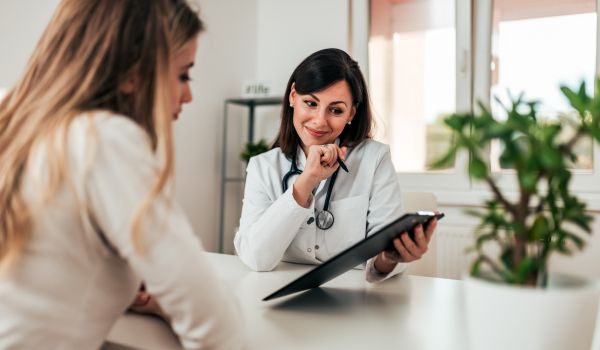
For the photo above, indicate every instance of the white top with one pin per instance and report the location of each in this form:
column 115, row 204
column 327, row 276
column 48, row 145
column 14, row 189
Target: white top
column 79, row 271
column 274, row 227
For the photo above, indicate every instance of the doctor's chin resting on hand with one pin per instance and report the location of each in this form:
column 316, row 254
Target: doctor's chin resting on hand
column 326, row 184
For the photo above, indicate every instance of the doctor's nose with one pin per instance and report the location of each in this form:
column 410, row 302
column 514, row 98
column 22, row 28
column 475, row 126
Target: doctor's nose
column 320, row 116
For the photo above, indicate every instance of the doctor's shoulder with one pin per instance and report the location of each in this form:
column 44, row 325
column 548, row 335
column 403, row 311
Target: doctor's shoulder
column 271, row 161
column 270, row 157
column 370, row 150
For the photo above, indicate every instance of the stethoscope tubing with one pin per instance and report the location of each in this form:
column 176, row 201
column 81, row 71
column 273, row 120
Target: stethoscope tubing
column 324, row 218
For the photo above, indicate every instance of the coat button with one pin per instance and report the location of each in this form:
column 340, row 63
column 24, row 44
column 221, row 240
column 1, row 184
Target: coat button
column 310, row 220
column 317, row 246
column 309, row 250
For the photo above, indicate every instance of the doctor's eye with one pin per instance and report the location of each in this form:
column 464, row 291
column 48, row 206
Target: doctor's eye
column 310, row 103
column 336, row 110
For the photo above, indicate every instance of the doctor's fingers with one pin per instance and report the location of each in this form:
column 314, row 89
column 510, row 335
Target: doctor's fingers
column 314, row 157
column 318, row 156
column 430, row 229
column 329, row 154
column 416, row 250
column 420, row 238
column 405, row 255
column 342, row 151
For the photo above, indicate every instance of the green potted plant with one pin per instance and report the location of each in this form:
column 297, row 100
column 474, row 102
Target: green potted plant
column 252, row 149
column 510, row 297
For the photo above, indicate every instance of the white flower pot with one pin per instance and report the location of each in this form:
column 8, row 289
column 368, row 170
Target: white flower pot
column 502, row 317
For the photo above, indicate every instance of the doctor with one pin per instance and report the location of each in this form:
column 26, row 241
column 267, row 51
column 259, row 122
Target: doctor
column 299, row 204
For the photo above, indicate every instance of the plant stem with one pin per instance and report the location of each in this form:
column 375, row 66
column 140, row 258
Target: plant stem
column 509, row 206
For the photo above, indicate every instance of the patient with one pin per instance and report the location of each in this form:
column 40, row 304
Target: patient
column 298, row 205
column 86, row 164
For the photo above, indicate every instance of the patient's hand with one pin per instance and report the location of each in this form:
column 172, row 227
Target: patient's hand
column 145, row 303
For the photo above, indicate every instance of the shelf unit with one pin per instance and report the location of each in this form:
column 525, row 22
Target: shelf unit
column 251, row 104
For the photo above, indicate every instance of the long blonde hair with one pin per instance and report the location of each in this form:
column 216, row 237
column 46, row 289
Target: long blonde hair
column 85, row 54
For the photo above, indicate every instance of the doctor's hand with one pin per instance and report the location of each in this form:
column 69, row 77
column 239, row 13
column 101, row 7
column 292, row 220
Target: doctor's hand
column 405, row 248
column 321, row 163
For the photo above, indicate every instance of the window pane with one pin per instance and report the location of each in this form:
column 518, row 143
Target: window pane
column 412, row 73
column 536, row 49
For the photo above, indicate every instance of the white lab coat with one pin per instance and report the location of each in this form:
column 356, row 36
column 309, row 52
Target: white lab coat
column 274, row 227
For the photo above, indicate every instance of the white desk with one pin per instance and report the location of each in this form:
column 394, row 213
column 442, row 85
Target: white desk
column 410, row 312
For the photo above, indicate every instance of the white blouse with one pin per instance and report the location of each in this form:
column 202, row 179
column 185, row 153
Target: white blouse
column 79, row 271
column 274, row 227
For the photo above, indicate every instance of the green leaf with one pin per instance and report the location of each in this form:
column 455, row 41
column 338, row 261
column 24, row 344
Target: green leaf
column 551, row 158
column 540, row 229
column 580, row 243
column 457, row 122
column 476, row 266
column 574, row 99
column 528, row 180
column 253, row 149
column 481, row 239
column 527, row 270
column 447, row 160
column 478, row 169
column 506, row 258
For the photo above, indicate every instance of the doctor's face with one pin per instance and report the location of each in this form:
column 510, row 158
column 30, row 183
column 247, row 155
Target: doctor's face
column 320, row 117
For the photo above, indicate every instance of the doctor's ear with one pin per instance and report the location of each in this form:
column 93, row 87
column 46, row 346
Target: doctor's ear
column 292, row 97
column 352, row 114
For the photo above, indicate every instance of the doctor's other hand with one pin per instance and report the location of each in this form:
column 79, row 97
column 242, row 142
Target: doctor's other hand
column 406, row 249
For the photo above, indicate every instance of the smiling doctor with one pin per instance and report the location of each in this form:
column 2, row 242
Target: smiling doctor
column 299, row 205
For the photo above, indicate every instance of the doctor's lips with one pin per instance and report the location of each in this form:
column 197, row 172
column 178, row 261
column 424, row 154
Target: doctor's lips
column 315, row 133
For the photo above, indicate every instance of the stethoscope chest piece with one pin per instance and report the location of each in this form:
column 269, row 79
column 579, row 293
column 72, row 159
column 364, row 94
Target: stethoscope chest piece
column 324, row 219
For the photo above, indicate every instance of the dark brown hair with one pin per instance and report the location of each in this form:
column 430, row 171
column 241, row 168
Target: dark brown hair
column 317, row 72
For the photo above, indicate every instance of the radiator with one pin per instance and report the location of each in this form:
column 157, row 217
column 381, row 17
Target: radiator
column 451, row 259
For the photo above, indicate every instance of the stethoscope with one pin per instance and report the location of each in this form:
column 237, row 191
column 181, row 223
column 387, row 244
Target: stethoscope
column 324, row 218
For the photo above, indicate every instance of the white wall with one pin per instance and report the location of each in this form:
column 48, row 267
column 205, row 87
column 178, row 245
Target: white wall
column 226, row 57
column 290, row 30
column 21, row 24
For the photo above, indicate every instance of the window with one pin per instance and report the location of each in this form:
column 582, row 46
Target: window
column 535, row 49
column 418, row 74
column 428, row 58
column 412, row 76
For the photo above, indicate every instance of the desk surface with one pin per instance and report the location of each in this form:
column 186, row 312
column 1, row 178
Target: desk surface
column 409, row 312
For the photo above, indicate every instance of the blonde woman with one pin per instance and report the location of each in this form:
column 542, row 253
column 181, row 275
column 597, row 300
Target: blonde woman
column 86, row 160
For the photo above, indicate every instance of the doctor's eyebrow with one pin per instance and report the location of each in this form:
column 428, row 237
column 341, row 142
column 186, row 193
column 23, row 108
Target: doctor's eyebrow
column 332, row 103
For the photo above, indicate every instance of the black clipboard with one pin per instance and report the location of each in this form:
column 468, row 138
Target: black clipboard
column 355, row 254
